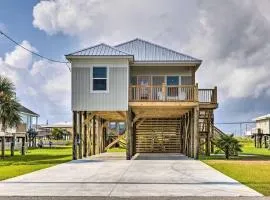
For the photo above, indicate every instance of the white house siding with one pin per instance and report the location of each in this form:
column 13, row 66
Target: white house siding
column 117, row 97
column 264, row 125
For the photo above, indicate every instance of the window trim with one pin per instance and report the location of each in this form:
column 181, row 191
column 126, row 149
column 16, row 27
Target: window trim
column 92, row 80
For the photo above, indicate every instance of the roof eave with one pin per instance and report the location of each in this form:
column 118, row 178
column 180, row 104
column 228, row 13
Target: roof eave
column 32, row 114
column 70, row 57
column 196, row 63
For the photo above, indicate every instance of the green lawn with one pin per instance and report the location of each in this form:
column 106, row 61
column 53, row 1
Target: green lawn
column 251, row 167
column 116, row 149
column 34, row 159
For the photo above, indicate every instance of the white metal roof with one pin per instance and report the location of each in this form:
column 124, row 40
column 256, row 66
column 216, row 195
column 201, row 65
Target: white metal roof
column 148, row 51
column 267, row 116
column 99, row 50
column 141, row 50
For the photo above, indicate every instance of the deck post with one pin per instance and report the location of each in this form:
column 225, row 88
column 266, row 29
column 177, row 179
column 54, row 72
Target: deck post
column 181, row 135
column 12, row 145
column 3, row 146
column 90, row 144
column 74, row 149
column 23, row 146
column 80, row 136
column 94, row 136
column 207, row 142
column 85, row 134
column 128, row 132
column 192, row 134
column 196, row 133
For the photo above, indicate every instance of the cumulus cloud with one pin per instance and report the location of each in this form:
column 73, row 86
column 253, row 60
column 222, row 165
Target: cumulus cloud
column 234, row 47
column 231, row 37
column 19, row 58
column 40, row 85
column 114, row 21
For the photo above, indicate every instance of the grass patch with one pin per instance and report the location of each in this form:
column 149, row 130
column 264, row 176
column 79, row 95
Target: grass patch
column 34, row 159
column 251, row 167
column 116, row 149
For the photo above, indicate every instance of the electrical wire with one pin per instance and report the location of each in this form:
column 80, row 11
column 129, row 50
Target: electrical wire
column 32, row 52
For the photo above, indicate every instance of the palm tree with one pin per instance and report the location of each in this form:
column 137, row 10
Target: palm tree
column 9, row 107
column 228, row 144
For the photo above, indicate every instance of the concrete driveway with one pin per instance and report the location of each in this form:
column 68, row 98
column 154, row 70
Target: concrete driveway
column 147, row 175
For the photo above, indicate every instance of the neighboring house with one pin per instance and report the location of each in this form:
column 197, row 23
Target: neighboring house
column 149, row 87
column 29, row 119
column 262, row 124
column 45, row 131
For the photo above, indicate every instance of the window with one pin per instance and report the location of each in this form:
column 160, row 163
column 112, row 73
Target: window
column 186, row 80
column 100, row 79
column 172, row 80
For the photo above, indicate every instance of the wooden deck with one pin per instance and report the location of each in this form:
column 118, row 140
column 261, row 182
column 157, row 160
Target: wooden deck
column 175, row 97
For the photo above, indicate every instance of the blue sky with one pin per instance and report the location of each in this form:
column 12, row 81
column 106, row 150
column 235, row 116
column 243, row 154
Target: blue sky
column 17, row 19
column 231, row 38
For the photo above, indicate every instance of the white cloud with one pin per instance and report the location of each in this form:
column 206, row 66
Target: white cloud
column 235, row 48
column 20, row 58
column 40, row 85
column 115, row 21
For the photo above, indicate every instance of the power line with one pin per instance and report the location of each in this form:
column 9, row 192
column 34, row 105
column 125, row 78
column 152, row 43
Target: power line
column 32, row 52
column 248, row 122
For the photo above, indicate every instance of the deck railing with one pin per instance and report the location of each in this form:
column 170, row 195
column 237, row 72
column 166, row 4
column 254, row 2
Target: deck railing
column 163, row 93
column 207, row 95
column 189, row 93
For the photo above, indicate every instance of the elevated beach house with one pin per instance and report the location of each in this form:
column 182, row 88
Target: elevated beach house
column 148, row 86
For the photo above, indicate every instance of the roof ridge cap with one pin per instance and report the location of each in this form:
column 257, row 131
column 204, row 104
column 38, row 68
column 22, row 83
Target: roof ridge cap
column 99, row 44
column 117, row 49
column 83, row 49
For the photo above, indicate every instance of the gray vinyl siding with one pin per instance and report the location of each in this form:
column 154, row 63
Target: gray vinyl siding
column 115, row 100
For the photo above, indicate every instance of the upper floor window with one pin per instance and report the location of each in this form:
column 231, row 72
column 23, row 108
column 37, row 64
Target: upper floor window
column 100, row 79
column 172, row 80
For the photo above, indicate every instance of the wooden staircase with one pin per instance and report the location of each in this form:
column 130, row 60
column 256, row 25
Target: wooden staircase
column 208, row 131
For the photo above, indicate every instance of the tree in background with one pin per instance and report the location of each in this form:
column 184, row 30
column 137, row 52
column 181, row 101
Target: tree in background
column 9, row 108
column 59, row 133
column 229, row 145
column 32, row 134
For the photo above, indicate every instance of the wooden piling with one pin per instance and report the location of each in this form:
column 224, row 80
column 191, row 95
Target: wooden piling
column 74, row 146
column 3, row 146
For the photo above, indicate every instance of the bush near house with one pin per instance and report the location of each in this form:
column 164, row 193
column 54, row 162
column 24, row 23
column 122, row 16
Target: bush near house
column 229, row 145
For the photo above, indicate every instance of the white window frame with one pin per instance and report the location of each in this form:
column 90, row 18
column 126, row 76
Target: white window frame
column 92, row 80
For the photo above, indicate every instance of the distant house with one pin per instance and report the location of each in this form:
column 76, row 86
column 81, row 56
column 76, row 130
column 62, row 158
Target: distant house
column 45, row 131
column 263, row 124
column 29, row 120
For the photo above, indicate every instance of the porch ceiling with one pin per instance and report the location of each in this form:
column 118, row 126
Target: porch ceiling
column 112, row 115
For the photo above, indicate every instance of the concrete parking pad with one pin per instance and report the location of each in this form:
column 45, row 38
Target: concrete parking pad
column 147, row 175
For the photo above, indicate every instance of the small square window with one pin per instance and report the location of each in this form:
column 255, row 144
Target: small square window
column 99, row 79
